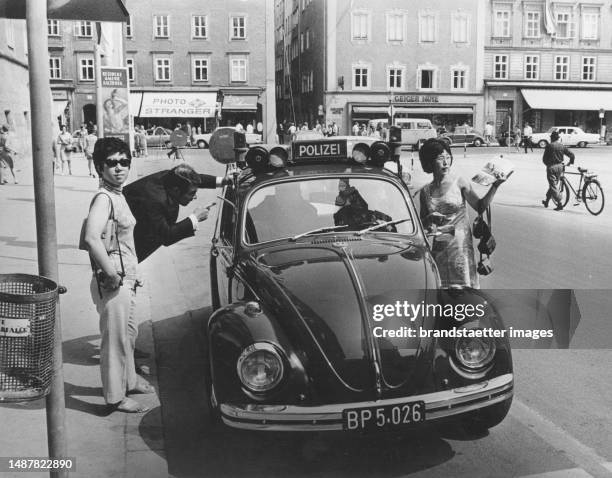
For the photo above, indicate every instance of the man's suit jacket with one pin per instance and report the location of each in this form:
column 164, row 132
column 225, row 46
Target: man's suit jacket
column 156, row 213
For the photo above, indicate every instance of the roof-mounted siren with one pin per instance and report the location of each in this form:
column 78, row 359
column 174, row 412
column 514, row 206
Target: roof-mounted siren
column 267, row 157
column 228, row 145
column 377, row 153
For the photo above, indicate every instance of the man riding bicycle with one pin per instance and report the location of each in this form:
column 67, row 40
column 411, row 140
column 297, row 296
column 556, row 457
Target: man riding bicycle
column 553, row 159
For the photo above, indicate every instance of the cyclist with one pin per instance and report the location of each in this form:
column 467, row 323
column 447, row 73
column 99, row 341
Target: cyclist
column 553, row 159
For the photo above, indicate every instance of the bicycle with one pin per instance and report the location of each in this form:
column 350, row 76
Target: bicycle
column 589, row 192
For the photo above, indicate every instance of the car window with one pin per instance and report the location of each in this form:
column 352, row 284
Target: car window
column 291, row 208
column 226, row 232
column 423, row 125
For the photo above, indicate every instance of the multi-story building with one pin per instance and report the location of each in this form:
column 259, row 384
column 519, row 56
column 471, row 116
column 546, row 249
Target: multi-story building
column 213, row 57
column 548, row 63
column 14, row 93
column 353, row 61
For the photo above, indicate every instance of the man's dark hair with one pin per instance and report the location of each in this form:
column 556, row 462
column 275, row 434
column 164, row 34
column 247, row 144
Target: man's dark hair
column 183, row 177
column 431, row 149
column 106, row 147
column 554, row 136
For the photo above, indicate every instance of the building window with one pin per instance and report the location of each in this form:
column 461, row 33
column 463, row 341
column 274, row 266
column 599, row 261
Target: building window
column 360, row 25
column 427, row 78
column 589, row 64
column 590, row 26
column 131, row 68
column 460, row 28
column 161, row 26
column 566, row 28
column 238, row 28
column 53, row 28
column 199, row 67
column 83, row 29
column 395, row 27
column 532, row 24
column 532, row 70
column 238, row 69
column 129, row 32
column 163, row 69
column 500, row 67
column 561, row 67
column 302, row 42
column 458, row 79
column 501, row 23
column 55, row 68
column 361, row 77
column 427, row 27
column 307, row 39
column 86, row 69
column 199, row 26
column 395, row 77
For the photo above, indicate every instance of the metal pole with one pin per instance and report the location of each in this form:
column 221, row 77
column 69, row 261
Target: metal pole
column 99, row 110
column 46, row 234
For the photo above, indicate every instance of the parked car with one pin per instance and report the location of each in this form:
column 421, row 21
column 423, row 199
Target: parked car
column 310, row 241
column 158, row 137
column 415, row 131
column 203, row 140
column 570, row 136
column 464, row 135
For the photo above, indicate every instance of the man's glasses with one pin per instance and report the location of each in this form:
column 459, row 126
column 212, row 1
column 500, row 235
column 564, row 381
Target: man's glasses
column 112, row 163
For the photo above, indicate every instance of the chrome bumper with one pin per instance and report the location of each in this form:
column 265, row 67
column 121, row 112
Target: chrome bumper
column 329, row 417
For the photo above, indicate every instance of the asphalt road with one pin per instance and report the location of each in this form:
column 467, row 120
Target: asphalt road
column 561, row 419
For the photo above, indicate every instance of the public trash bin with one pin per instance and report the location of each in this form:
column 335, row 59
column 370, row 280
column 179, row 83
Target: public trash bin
column 27, row 322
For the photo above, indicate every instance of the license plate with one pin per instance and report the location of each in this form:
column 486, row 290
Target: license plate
column 383, row 418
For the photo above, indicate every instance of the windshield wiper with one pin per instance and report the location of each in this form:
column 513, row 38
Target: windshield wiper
column 317, row 231
column 382, row 224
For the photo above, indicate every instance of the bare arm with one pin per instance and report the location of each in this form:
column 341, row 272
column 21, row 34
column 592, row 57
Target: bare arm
column 477, row 203
column 96, row 222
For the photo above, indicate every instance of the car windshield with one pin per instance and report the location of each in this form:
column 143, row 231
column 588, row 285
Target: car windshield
column 292, row 208
column 550, row 130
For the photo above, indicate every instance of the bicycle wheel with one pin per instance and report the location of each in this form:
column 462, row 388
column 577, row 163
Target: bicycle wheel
column 593, row 197
column 564, row 192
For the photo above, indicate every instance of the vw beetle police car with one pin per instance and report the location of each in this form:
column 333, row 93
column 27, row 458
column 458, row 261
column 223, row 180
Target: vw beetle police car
column 310, row 241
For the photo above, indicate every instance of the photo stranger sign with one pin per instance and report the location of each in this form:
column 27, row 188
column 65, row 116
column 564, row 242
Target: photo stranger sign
column 178, row 105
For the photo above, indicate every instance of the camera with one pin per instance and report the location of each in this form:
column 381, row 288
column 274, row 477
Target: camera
column 484, row 267
column 487, row 244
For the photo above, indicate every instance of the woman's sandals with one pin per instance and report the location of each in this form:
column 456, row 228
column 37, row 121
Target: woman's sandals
column 142, row 387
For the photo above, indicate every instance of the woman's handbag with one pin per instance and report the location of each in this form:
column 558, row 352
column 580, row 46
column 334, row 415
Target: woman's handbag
column 483, row 230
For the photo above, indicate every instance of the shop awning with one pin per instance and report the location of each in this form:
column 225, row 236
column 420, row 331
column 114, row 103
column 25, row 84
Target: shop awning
column 177, row 105
column 371, row 109
column 240, row 102
column 135, row 102
column 451, row 110
column 566, row 99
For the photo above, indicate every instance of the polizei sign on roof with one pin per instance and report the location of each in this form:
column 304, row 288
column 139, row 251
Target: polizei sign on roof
column 319, row 149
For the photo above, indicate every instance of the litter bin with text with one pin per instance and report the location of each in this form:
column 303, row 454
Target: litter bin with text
column 27, row 323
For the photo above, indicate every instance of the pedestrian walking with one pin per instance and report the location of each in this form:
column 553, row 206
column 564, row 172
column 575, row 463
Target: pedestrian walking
column 553, row 159
column 115, row 277
column 488, row 132
column 88, row 149
column 64, row 140
column 6, row 158
column 527, row 132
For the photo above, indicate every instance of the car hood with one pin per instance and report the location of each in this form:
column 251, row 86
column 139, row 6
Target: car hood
column 334, row 291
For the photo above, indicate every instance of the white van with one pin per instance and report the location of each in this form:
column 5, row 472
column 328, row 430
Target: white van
column 415, row 131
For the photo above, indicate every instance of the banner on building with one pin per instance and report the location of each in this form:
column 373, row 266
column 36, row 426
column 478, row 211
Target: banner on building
column 178, row 105
column 115, row 104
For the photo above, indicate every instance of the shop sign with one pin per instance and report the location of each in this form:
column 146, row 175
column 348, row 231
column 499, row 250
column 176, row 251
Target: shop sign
column 59, row 94
column 14, row 327
column 415, row 99
column 115, row 94
column 337, row 111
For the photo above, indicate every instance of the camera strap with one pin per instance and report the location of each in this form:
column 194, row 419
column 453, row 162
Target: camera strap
column 489, row 222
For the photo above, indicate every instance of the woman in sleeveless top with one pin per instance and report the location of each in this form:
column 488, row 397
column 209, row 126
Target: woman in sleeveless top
column 444, row 211
column 113, row 287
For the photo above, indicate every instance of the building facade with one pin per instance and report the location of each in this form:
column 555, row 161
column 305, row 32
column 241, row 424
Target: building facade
column 208, row 63
column 355, row 61
column 15, row 95
column 548, row 63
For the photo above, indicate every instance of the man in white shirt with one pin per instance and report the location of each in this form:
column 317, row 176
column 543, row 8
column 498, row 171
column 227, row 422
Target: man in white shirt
column 527, row 132
column 488, row 132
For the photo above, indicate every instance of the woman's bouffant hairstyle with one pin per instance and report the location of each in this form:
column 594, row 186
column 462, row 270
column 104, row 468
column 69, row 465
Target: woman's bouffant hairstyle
column 431, row 149
column 106, row 147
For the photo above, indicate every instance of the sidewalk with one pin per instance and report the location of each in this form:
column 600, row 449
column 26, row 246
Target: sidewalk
column 104, row 445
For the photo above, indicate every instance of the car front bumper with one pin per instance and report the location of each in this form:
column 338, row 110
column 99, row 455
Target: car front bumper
column 329, row 417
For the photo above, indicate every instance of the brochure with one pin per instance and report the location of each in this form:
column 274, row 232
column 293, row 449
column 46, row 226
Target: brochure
column 497, row 168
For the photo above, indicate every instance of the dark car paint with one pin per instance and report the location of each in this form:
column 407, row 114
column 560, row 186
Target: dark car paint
column 299, row 312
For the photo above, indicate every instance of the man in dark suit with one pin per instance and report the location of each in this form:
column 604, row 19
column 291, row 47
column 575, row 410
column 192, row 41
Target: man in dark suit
column 154, row 201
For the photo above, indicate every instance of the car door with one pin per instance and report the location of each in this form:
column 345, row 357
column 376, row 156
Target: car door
column 459, row 135
column 564, row 134
column 224, row 247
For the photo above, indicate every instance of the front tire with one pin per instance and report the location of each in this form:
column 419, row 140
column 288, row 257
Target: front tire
column 593, row 197
column 202, row 144
column 582, row 144
column 542, row 143
column 478, row 142
column 565, row 193
column 488, row 417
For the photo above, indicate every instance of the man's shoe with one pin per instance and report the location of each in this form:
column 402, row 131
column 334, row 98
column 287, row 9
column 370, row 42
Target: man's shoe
column 545, row 203
column 559, row 208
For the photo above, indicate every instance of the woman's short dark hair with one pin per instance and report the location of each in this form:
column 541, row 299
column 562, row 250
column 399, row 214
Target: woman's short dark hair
column 430, row 150
column 106, row 147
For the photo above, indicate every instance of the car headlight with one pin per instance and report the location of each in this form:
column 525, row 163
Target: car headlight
column 260, row 367
column 474, row 353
